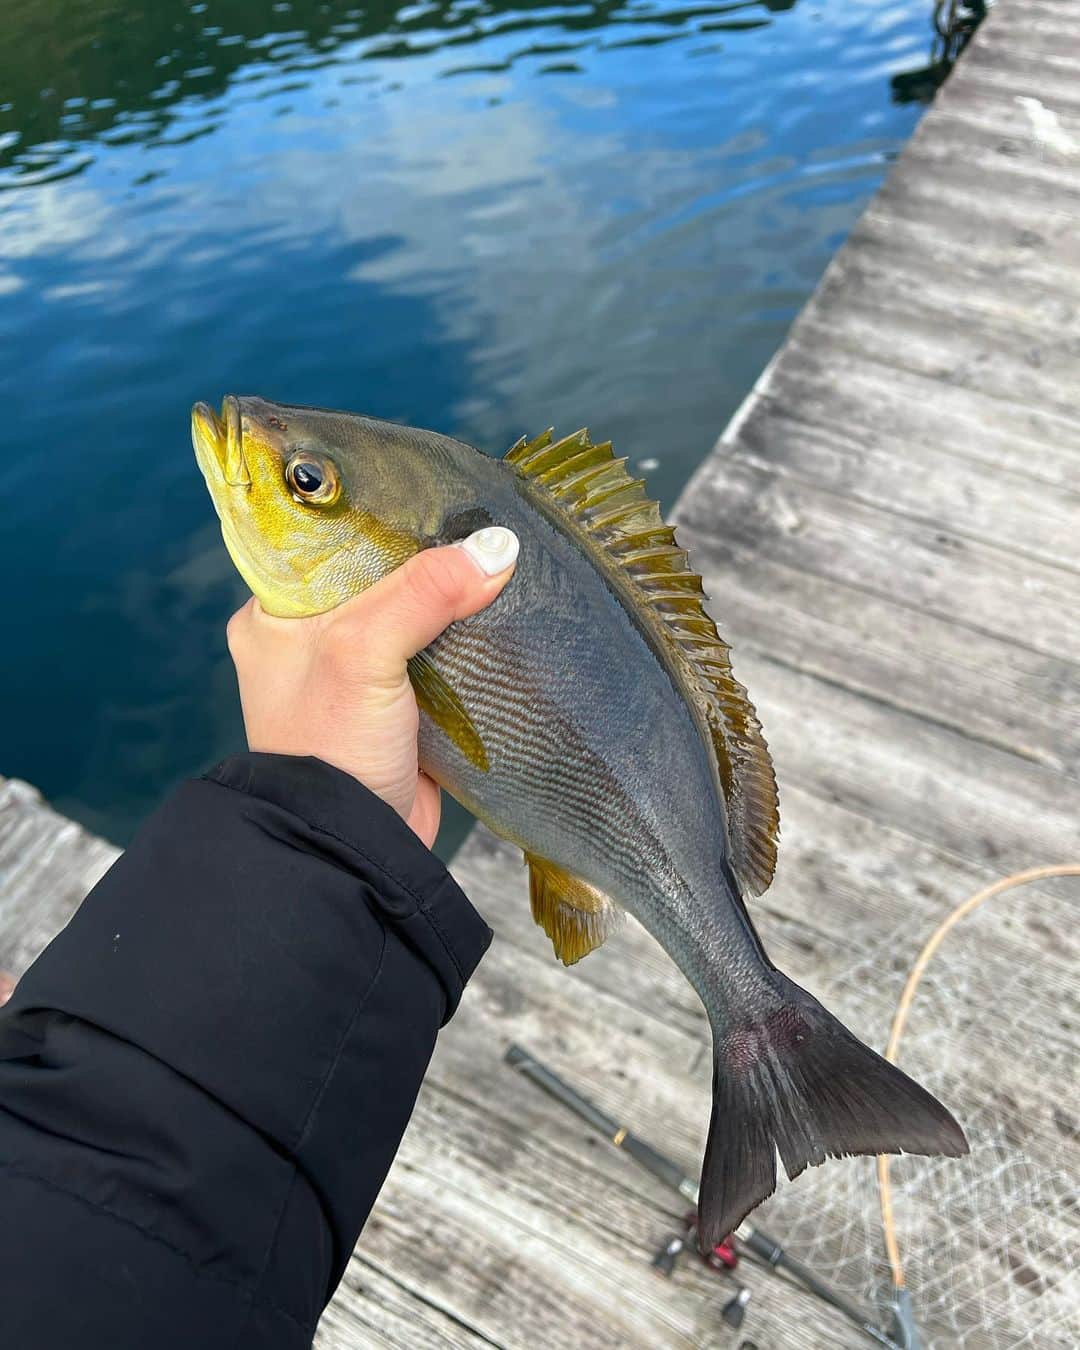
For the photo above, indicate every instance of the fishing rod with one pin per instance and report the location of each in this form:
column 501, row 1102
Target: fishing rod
column 754, row 1240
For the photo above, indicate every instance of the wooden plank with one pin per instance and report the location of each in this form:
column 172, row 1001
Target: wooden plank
column 1025, row 32
column 976, row 801
column 1024, row 366
column 47, row 864
column 1002, row 72
column 986, row 687
column 1034, row 322
column 1010, row 260
column 377, row 1308
column 913, row 562
column 1006, row 510
column 971, row 154
column 964, row 151
column 1024, row 947
column 848, row 888
column 952, row 206
column 881, row 405
column 843, row 878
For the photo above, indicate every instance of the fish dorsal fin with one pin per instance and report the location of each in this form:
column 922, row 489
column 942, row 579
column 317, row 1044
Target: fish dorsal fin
column 591, row 488
column 575, row 916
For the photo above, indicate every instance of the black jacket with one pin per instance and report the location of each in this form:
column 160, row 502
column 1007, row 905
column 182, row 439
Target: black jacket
column 205, row 1077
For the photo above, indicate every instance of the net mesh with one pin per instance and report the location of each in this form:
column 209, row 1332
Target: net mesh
column 989, row 1242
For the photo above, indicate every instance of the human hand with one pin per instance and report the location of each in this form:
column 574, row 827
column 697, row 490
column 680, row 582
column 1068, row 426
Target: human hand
column 335, row 685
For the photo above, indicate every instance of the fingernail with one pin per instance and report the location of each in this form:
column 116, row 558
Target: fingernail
column 493, row 549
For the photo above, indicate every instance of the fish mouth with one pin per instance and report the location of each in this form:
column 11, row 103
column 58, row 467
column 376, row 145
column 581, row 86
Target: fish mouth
column 219, row 441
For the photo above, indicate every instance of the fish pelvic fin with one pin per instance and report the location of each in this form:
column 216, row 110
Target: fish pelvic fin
column 798, row 1083
column 588, row 486
column 445, row 708
column 576, row 916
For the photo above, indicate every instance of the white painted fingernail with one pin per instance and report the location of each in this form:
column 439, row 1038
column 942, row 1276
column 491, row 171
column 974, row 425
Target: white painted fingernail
column 493, row 549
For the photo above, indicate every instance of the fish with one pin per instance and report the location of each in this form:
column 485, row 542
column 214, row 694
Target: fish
column 589, row 716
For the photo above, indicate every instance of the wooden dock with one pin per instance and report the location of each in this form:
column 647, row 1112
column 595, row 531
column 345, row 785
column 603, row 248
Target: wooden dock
column 890, row 531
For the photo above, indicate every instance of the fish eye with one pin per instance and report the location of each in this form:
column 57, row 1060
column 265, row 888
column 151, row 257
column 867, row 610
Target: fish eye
column 311, row 479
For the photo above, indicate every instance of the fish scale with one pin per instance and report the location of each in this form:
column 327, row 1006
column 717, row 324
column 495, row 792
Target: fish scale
column 556, row 788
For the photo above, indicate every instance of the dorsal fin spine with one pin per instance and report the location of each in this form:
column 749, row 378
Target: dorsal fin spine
column 578, row 486
column 568, row 472
column 656, row 534
column 656, row 553
column 544, row 459
column 616, row 513
column 522, row 449
column 610, row 477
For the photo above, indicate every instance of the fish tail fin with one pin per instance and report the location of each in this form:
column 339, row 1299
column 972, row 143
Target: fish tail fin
column 798, row 1083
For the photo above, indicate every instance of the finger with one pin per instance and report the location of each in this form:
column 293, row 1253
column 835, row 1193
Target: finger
column 408, row 609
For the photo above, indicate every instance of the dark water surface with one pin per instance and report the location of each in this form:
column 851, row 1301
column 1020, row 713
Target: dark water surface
column 480, row 217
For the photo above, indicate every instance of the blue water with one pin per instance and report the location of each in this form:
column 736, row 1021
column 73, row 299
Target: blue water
column 480, row 217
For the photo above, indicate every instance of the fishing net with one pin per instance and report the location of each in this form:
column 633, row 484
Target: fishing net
column 989, row 1243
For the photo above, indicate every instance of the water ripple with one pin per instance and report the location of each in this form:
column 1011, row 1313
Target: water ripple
column 480, row 216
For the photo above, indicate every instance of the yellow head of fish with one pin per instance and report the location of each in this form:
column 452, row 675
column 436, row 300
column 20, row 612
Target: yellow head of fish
column 316, row 505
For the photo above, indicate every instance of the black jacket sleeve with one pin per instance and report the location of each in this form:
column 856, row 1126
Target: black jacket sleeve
column 205, row 1077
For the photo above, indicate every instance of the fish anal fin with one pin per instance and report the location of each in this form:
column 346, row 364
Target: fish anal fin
column 445, row 709
column 590, row 488
column 575, row 916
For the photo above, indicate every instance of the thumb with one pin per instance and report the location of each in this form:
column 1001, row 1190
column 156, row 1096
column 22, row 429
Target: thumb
column 408, row 609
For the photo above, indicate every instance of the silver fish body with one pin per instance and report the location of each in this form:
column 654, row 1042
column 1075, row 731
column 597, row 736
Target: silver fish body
column 590, row 715
column 595, row 762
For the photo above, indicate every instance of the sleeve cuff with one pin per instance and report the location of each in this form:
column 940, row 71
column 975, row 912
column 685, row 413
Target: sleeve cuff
column 340, row 819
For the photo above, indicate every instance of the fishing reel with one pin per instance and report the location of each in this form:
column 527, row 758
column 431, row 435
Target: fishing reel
column 723, row 1258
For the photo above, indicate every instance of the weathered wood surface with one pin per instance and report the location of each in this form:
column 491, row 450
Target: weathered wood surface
column 890, row 532
column 47, row 864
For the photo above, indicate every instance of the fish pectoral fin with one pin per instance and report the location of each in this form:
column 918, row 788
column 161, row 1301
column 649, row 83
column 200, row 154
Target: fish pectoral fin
column 445, row 709
column 575, row 916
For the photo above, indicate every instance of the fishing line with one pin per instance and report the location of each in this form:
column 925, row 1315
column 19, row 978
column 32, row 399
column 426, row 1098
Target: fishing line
column 899, row 1022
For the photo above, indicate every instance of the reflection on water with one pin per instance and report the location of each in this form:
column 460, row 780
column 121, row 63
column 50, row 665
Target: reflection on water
column 122, row 74
column 478, row 216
